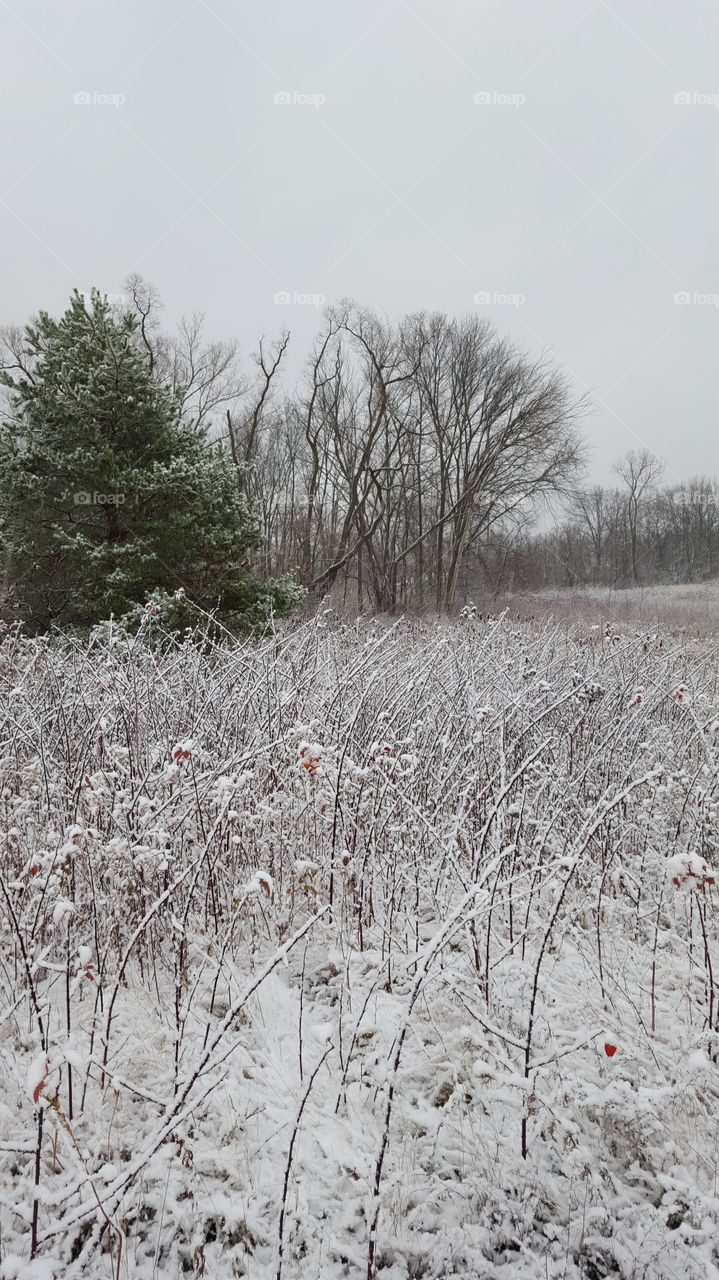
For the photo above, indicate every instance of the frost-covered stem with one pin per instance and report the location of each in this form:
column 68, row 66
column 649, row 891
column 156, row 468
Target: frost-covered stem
column 510, row 895
column 198, row 863
column 288, row 1164
column 370, row 993
column 44, row 1043
column 337, row 805
column 502, row 797
column 68, row 1022
column 600, row 957
column 159, row 902
column 38, row 1170
column 691, row 952
column 179, row 966
column 536, row 873
column 54, row 1103
column 709, row 971
column 654, row 963
column 151, row 911
column 433, row 949
column 301, row 1005
column 26, row 963
column 179, row 1108
column 220, row 961
column 488, row 938
column 578, row 850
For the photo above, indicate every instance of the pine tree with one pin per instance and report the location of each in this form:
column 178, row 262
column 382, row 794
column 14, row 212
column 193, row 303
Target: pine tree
column 106, row 494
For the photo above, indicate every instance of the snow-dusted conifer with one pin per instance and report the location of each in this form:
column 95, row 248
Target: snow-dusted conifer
column 106, row 493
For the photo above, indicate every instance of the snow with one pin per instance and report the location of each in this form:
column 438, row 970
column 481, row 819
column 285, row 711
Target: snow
column 36, row 1076
column 689, row 870
column 249, row 984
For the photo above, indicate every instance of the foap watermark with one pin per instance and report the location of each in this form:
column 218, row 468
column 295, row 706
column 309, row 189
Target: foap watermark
column 695, row 299
column 695, row 98
column 498, row 299
column 706, row 501
column 83, row 98
column 84, row 499
column 494, row 98
column 113, row 299
column 283, row 98
column 283, row 298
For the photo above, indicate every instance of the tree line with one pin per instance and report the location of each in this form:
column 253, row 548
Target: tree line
column 405, row 470
column 638, row 532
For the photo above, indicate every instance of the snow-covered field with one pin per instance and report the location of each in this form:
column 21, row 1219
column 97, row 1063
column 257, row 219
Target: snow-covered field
column 691, row 605
column 362, row 950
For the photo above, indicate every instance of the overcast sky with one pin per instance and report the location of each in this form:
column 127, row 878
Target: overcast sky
column 527, row 159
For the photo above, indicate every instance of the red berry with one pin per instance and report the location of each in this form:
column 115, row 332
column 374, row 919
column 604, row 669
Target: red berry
column 610, row 1049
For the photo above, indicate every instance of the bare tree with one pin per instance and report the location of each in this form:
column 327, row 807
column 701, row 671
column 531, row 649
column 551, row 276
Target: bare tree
column 640, row 471
column 268, row 367
column 591, row 510
column 421, row 437
column 206, row 377
column 504, row 435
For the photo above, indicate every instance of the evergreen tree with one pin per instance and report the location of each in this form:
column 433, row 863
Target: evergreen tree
column 106, row 494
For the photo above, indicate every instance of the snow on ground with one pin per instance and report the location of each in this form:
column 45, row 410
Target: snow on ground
column 366, row 950
column 693, row 606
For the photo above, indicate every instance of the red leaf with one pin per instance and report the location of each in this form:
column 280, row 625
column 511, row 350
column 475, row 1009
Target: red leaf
column 40, row 1085
column 610, row 1049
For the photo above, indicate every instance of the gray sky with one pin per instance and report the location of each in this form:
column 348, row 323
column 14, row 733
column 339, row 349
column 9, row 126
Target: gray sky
column 576, row 197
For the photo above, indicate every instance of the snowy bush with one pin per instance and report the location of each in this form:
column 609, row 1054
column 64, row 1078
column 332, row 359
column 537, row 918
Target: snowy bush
column 359, row 951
